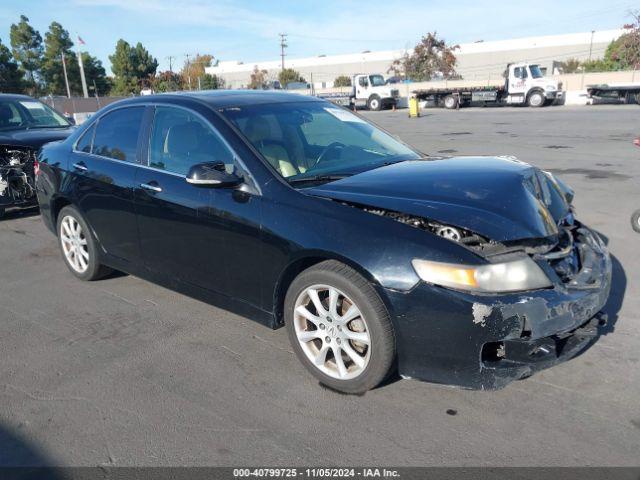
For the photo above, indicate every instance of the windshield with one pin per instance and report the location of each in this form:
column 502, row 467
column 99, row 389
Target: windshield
column 535, row 71
column 28, row 113
column 309, row 140
column 377, row 80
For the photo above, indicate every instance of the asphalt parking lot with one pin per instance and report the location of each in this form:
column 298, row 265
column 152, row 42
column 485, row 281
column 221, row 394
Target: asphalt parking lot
column 123, row 372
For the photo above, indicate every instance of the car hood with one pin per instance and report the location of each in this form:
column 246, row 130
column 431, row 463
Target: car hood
column 34, row 137
column 500, row 198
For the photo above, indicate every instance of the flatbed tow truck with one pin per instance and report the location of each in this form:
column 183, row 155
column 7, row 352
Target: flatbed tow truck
column 525, row 84
column 625, row 92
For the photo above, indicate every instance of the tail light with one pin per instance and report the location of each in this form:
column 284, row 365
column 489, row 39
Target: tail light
column 36, row 167
column 636, row 142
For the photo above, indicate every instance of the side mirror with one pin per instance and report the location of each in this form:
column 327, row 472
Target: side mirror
column 212, row 174
column 70, row 119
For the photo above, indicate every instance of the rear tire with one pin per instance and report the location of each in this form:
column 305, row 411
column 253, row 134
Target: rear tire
column 536, row 99
column 450, row 102
column 79, row 248
column 635, row 221
column 346, row 341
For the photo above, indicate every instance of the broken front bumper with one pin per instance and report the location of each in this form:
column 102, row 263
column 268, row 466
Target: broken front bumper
column 487, row 341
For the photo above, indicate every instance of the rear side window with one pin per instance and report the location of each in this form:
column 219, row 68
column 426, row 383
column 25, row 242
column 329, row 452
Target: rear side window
column 117, row 133
column 84, row 144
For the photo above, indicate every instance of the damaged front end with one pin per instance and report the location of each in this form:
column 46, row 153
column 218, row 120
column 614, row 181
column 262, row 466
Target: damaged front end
column 531, row 281
column 17, row 177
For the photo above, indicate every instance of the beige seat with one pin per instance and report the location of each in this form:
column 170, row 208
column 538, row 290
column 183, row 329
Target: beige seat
column 258, row 132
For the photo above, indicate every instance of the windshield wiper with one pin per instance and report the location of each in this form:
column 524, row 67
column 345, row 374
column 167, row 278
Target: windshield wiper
column 318, row 178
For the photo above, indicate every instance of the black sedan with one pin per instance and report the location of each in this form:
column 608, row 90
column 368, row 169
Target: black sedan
column 292, row 211
column 25, row 125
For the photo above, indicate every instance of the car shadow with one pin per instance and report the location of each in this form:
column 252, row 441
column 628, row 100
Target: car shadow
column 22, row 459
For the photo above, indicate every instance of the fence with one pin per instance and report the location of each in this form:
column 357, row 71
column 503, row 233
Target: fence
column 74, row 105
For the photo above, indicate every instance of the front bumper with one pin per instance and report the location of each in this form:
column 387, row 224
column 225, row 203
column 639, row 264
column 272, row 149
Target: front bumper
column 486, row 341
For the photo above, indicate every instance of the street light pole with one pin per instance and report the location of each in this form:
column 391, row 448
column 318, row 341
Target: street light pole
column 66, row 79
column 590, row 51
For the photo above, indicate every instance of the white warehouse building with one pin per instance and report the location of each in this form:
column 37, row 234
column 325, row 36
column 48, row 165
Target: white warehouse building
column 475, row 61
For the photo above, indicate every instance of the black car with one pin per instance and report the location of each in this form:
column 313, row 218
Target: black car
column 25, row 125
column 468, row 271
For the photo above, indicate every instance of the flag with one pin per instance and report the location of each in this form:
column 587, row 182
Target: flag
column 80, row 40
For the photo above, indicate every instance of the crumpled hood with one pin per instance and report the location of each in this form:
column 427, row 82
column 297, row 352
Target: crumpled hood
column 34, row 137
column 500, row 198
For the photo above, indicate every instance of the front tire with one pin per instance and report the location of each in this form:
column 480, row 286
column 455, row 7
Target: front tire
column 635, row 221
column 339, row 328
column 79, row 249
column 536, row 99
column 374, row 103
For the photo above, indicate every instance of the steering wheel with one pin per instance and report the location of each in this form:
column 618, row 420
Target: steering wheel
column 327, row 149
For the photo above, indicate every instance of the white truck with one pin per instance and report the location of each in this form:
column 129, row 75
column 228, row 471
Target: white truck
column 369, row 91
column 525, row 84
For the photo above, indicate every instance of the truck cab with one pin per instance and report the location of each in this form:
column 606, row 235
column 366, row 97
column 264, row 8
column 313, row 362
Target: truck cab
column 526, row 84
column 373, row 90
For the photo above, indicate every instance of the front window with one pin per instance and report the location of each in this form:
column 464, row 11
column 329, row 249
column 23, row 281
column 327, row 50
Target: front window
column 28, row 113
column 536, row 72
column 377, row 80
column 181, row 139
column 309, row 140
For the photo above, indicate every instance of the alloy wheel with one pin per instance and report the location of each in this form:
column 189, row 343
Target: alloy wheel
column 74, row 244
column 332, row 332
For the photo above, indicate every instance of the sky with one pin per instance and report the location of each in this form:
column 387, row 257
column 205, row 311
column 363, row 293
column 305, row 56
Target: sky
column 248, row 30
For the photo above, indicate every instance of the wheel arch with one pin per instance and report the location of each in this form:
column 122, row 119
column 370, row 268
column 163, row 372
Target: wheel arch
column 57, row 204
column 307, row 260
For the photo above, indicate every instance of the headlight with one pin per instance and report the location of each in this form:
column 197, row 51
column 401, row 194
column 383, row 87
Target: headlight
column 514, row 276
column 551, row 87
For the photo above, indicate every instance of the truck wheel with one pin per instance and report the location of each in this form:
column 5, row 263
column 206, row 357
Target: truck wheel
column 339, row 328
column 536, row 99
column 450, row 102
column 374, row 103
column 635, row 221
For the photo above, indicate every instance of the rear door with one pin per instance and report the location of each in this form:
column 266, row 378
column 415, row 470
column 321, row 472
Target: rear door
column 103, row 167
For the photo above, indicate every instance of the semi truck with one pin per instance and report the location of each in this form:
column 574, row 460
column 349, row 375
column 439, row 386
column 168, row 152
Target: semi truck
column 524, row 84
column 367, row 90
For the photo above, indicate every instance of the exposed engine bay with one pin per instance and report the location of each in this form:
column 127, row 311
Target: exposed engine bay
column 17, row 176
column 565, row 253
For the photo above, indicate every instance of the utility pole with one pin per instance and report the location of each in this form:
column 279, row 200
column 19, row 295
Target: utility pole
column 590, row 51
column 283, row 45
column 66, row 79
column 170, row 58
column 188, row 70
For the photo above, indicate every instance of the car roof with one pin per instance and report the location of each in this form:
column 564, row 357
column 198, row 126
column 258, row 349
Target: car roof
column 16, row 96
column 229, row 98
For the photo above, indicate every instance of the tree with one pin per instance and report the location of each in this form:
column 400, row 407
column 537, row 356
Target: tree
column 342, row 81
column 11, row 78
column 132, row 66
column 194, row 69
column 570, row 65
column 56, row 43
column 167, row 81
column 258, row 79
column 289, row 75
column 430, row 58
column 26, row 46
column 624, row 53
column 211, row 82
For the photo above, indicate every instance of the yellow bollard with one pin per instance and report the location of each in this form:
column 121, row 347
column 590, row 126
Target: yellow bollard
column 414, row 110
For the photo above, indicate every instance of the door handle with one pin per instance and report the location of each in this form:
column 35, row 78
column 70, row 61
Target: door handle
column 80, row 166
column 151, row 187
